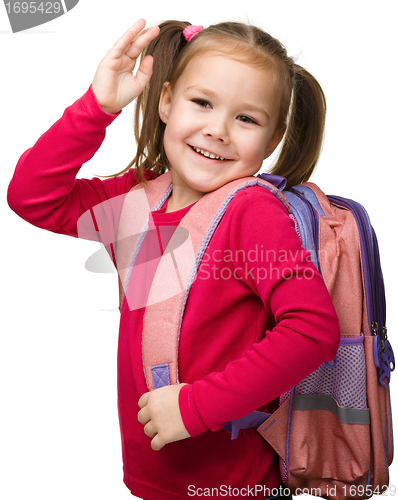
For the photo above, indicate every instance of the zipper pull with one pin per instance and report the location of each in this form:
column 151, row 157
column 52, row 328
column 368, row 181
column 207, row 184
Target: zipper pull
column 384, row 339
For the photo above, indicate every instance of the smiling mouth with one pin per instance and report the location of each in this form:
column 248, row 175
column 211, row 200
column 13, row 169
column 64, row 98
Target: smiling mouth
column 207, row 154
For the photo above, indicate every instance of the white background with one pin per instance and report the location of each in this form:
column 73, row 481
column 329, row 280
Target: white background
column 59, row 434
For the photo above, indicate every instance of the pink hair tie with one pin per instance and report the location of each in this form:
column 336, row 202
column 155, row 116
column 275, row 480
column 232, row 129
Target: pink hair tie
column 190, row 31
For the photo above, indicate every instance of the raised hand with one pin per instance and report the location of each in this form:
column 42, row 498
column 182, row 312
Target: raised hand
column 114, row 85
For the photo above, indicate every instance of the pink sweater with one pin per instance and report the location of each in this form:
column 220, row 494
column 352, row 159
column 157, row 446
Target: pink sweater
column 248, row 334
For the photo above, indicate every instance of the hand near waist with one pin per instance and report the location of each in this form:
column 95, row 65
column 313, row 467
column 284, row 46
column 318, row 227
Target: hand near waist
column 161, row 417
column 114, row 84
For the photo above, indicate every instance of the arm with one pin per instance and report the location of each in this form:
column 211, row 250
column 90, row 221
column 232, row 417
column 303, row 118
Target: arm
column 44, row 190
column 306, row 332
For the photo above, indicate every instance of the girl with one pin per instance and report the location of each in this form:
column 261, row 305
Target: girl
column 258, row 317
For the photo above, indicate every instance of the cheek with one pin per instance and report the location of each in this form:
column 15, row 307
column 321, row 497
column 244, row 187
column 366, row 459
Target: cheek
column 176, row 129
column 173, row 142
column 254, row 149
column 168, row 145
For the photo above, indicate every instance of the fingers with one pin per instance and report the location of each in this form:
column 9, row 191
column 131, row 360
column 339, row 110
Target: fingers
column 144, row 71
column 129, row 35
column 157, row 443
column 143, row 401
column 150, row 430
column 134, row 40
column 141, row 41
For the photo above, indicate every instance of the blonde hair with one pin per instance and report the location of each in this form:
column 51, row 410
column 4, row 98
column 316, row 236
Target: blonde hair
column 303, row 106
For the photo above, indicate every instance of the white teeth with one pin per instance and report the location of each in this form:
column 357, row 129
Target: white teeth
column 207, row 154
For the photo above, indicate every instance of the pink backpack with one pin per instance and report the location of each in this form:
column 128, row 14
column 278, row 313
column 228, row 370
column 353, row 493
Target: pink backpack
column 333, row 431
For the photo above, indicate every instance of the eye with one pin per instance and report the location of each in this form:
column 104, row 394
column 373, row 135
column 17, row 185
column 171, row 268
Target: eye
column 202, row 103
column 246, row 119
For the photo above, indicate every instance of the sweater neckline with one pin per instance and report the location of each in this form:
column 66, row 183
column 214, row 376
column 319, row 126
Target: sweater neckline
column 159, row 216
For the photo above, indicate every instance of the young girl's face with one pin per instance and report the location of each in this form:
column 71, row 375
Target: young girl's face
column 221, row 122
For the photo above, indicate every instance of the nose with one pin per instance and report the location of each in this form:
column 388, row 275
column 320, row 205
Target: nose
column 217, row 128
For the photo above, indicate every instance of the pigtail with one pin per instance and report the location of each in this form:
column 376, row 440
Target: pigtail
column 304, row 135
column 148, row 127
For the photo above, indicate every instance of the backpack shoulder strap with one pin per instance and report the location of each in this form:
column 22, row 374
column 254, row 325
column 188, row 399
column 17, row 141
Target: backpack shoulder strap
column 175, row 275
column 138, row 204
column 336, row 251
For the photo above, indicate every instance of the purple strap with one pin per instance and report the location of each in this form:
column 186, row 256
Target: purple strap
column 276, row 180
column 253, row 419
column 160, row 375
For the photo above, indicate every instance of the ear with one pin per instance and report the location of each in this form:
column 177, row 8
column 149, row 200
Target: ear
column 165, row 102
column 275, row 140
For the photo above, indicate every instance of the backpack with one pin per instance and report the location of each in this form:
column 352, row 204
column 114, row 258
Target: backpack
column 333, row 430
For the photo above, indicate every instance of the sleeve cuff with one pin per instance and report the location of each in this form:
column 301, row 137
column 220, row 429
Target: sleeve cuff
column 193, row 422
column 93, row 109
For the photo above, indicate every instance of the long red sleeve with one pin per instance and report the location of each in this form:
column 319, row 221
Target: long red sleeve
column 44, row 190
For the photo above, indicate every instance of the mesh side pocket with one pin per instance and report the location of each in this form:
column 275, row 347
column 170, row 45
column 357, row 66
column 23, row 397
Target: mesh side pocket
column 346, row 381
